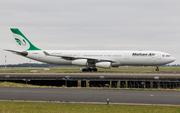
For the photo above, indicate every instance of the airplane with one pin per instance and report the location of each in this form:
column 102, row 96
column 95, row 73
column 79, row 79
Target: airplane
column 91, row 59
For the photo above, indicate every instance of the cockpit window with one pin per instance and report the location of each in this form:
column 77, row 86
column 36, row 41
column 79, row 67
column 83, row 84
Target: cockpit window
column 168, row 55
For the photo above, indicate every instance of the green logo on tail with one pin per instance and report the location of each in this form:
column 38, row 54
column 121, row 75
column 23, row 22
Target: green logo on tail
column 23, row 41
column 20, row 42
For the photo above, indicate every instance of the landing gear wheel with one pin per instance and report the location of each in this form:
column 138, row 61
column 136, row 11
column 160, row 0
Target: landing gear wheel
column 94, row 69
column 89, row 69
column 157, row 68
column 86, row 70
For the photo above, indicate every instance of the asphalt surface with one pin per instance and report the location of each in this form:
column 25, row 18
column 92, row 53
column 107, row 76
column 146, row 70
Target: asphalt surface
column 90, row 95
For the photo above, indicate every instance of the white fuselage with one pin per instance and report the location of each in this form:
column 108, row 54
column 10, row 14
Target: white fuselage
column 89, row 58
column 120, row 58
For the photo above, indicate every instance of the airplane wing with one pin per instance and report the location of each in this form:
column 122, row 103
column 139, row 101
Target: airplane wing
column 23, row 53
column 90, row 59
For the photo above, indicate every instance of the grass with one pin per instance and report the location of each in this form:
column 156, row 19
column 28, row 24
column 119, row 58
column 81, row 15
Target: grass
column 23, row 107
column 77, row 69
column 24, row 70
column 12, row 84
column 141, row 69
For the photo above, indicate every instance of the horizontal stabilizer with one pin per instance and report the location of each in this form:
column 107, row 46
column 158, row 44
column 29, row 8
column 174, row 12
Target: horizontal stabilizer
column 23, row 53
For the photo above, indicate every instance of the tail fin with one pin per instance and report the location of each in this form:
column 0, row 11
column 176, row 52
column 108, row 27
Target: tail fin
column 22, row 42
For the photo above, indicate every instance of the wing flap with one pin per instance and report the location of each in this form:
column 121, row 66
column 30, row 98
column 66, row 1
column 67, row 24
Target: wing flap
column 90, row 59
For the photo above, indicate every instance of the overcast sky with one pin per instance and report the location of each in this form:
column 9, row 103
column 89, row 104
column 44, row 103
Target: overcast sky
column 91, row 24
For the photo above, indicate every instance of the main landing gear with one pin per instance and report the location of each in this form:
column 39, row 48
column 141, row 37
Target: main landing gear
column 157, row 68
column 89, row 69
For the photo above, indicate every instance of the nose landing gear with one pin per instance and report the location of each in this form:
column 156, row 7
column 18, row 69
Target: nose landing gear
column 157, row 68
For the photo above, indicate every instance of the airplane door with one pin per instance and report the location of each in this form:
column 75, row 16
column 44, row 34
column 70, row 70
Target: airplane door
column 126, row 56
column 154, row 59
column 158, row 56
column 40, row 55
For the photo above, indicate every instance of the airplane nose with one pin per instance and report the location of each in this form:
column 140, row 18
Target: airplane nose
column 173, row 59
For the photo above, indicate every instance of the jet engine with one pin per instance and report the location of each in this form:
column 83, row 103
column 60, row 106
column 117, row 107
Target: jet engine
column 81, row 62
column 116, row 64
column 103, row 64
